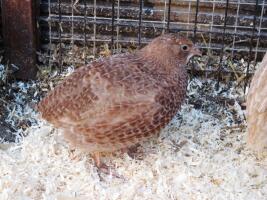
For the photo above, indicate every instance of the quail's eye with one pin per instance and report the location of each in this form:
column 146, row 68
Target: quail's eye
column 184, row 47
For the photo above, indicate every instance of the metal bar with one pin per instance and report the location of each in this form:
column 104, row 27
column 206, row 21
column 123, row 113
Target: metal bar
column 140, row 21
column 117, row 27
column 66, row 18
column 36, row 14
column 212, row 24
column 84, row 31
column 164, row 17
column 72, row 32
column 195, row 26
column 169, row 15
column 188, row 17
column 222, row 49
column 251, row 44
column 259, row 29
column 50, row 34
column 94, row 47
column 236, row 23
column 174, row 3
column 145, row 23
column 220, row 2
column 20, row 32
column 60, row 30
column 112, row 25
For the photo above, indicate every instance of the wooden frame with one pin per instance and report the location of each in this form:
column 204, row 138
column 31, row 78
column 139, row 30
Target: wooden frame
column 20, row 36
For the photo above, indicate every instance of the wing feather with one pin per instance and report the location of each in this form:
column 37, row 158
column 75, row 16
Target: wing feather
column 100, row 93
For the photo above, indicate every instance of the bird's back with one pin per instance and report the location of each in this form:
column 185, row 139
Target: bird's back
column 118, row 78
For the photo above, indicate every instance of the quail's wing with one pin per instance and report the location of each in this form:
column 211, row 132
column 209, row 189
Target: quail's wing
column 108, row 91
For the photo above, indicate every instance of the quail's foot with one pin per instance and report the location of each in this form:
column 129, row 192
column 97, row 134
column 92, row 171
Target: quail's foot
column 102, row 168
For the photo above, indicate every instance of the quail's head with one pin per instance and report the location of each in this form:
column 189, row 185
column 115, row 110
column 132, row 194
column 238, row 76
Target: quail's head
column 175, row 46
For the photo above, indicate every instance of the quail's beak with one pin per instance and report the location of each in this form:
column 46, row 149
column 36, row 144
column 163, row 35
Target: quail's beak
column 194, row 52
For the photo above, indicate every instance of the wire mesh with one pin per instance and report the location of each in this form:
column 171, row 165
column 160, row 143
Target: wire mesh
column 236, row 29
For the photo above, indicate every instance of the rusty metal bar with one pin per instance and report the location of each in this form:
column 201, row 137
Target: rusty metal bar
column 169, row 15
column 20, row 36
column 251, row 43
column 112, row 25
column 140, row 21
column 196, row 22
column 60, row 32
column 217, row 29
column 84, row 31
column 223, row 45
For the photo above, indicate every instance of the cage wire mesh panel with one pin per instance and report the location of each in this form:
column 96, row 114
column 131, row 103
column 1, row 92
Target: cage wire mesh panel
column 1, row 35
column 76, row 31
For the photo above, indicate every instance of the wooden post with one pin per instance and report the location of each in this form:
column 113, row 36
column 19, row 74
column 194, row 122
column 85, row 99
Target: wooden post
column 20, row 36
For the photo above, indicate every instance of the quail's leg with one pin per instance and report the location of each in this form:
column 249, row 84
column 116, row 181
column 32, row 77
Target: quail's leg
column 96, row 158
column 102, row 167
column 99, row 164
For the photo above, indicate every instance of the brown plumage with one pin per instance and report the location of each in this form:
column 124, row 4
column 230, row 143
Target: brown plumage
column 119, row 101
column 257, row 108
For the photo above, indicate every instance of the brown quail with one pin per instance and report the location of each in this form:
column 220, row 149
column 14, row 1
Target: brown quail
column 119, row 101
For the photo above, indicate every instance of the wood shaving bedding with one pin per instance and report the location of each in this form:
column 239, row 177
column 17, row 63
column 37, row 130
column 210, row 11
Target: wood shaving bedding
column 196, row 157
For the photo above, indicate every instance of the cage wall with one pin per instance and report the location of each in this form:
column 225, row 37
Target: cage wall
column 76, row 31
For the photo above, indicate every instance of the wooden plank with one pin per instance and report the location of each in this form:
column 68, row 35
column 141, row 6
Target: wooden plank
column 20, row 36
